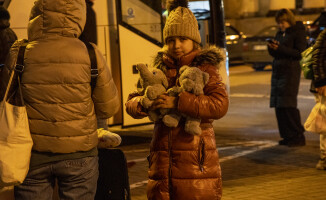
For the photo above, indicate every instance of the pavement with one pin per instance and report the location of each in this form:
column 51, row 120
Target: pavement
column 275, row 172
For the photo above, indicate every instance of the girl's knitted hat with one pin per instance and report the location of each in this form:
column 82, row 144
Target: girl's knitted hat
column 181, row 21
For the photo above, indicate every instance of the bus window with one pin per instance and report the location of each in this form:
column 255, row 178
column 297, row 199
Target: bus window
column 145, row 16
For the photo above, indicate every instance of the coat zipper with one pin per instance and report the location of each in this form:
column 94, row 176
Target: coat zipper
column 170, row 163
column 201, row 154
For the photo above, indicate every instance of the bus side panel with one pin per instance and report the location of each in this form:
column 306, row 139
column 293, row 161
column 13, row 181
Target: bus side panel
column 133, row 50
column 19, row 16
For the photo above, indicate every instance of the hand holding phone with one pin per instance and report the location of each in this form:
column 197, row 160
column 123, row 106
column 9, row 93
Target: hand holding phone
column 269, row 40
column 273, row 44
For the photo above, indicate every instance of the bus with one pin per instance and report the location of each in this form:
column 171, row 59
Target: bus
column 130, row 32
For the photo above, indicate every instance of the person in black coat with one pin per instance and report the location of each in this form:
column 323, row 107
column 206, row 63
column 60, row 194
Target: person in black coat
column 7, row 35
column 286, row 49
column 89, row 33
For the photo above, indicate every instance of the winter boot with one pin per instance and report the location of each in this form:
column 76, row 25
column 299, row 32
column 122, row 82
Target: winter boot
column 298, row 141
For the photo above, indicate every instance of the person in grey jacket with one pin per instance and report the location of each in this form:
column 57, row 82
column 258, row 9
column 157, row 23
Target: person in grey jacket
column 286, row 49
column 7, row 35
column 61, row 108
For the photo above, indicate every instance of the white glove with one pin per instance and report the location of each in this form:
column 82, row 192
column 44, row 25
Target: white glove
column 107, row 139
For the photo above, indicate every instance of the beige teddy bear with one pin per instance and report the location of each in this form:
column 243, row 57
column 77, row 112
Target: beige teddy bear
column 151, row 84
column 192, row 80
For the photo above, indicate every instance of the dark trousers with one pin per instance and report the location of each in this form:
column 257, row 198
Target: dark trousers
column 289, row 123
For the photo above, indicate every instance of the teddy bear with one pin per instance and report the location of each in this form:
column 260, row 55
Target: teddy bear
column 151, row 84
column 192, row 80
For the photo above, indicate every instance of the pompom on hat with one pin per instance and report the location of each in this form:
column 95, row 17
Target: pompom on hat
column 181, row 21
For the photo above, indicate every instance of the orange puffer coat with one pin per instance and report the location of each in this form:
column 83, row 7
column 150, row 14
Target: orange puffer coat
column 181, row 165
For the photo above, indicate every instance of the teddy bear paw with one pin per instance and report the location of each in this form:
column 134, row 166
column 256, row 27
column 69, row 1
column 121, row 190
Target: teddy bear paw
column 171, row 120
column 194, row 130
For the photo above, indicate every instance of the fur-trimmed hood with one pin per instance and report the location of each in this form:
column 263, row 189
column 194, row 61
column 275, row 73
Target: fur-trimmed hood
column 211, row 55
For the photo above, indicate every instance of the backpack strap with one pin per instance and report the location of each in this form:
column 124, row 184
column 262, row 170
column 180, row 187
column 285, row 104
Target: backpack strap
column 19, row 68
column 16, row 74
column 94, row 70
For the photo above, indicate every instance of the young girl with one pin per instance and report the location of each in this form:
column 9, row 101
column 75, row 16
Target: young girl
column 181, row 165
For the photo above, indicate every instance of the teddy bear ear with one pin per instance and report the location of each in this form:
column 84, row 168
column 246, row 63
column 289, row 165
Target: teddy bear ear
column 141, row 65
column 205, row 77
column 183, row 68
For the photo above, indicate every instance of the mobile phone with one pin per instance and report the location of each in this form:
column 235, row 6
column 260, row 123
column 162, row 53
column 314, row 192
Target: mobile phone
column 269, row 40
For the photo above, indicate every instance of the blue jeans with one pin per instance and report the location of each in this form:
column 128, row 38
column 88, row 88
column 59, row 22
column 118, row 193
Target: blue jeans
column 77, row 180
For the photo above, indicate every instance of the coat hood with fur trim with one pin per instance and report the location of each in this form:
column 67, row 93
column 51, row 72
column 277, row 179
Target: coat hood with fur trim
column 211, row 55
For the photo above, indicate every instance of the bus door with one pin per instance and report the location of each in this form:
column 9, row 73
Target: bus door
column 140, row 38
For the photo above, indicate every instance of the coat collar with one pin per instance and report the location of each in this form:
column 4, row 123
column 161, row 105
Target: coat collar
column 211, row 55
column 184, row 60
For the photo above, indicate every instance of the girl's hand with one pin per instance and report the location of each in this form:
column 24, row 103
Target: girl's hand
column 165, row 101
column 134, row 108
